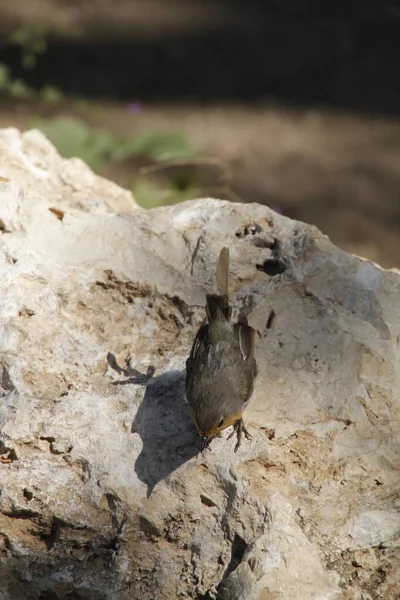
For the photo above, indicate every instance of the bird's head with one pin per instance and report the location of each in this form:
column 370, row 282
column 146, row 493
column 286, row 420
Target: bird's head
column 210, row 421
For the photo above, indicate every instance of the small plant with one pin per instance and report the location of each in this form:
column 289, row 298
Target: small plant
column 72, row 137
column 15, row 88
column 151, row 194
column 32, row 42
column 97, row 147
column 155, row 145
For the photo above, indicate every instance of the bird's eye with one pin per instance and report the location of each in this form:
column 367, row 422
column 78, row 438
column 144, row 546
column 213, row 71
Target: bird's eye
column 221, row 423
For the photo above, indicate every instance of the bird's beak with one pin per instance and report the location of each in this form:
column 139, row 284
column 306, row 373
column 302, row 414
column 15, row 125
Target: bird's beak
column 204, row 442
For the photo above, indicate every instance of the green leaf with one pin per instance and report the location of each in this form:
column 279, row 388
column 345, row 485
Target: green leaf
column 4, row 77
column 18, row 89
column 66, row 133
column 20, row 36
column 149, row 194
column 51, row 94
column 72, row 137
column 157, row 146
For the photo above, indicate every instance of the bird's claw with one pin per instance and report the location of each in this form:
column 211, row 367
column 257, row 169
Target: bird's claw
column 247, row 435
column 231, row 433
column 239, row 427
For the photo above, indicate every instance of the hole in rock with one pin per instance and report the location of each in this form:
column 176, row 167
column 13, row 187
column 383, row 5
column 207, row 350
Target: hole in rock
column 6, row 381
column 112, row 502
column 3, row 227
column 249, row 229
column 262, row 242
column 28, row 495
column 276, row 264
column 271, row 319
column 272, row 267
column 26, row 312
column 52, row 538
column 207, row 501
column 239, row 547
column 7, row 454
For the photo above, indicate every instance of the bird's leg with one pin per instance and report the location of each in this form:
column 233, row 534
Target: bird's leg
column 232, row 432
column 247, row 435
column 239, row 427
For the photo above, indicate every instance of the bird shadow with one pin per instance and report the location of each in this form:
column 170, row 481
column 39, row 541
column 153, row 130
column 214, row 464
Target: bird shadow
column 163, row 423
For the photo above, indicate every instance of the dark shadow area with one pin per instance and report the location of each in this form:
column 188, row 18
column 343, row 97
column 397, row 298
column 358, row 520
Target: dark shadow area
column 239, row 547
column 57, row 576
column 342, row 54
column 163, row 422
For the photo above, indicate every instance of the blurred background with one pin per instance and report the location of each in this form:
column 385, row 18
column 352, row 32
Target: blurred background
column 290, row 103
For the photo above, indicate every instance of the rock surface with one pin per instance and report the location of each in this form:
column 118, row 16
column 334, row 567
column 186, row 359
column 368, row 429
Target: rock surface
column 102, row 492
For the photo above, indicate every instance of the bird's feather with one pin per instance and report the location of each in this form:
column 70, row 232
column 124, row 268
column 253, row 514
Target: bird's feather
column 223, row 271
column 246, row 336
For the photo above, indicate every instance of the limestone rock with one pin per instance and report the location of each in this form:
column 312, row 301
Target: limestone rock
column 103, row 494
column 31, row 162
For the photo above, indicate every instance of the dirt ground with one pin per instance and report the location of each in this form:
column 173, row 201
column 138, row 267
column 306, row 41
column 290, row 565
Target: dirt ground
column 338, row 171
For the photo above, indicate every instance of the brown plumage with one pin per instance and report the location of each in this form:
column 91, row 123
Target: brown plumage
column 221, row 368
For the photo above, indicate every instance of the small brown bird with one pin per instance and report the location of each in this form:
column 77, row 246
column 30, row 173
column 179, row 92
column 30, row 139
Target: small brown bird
column 221, row 368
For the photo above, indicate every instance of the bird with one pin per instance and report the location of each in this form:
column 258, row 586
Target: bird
column 221, row 368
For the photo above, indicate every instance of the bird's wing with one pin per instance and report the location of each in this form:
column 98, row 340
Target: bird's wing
column 246, row 336
column 198, row 343
column 198, row 346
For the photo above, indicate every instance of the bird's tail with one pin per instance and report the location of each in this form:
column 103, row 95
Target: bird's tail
column 219, row 303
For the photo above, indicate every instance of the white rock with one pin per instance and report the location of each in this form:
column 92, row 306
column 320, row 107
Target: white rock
column 105, row 495
column 373, row 528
